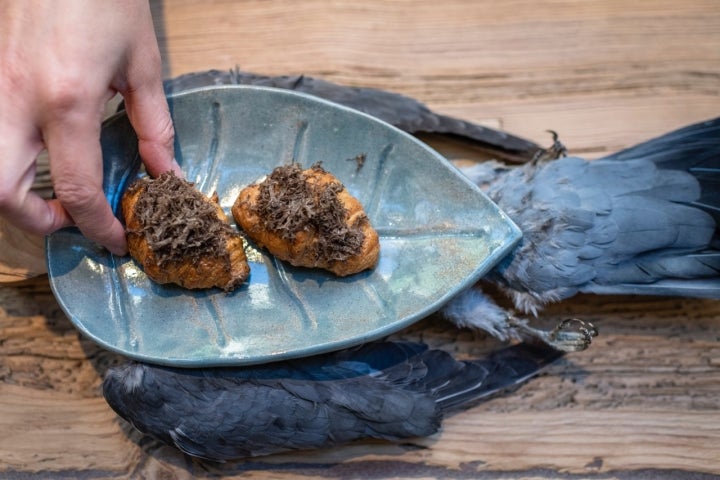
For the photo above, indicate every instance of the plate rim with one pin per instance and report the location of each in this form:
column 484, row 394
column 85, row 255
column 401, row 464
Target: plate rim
column 512, row 238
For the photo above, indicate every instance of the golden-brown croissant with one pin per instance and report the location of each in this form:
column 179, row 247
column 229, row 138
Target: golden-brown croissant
column 309, row 219
column 181, row 236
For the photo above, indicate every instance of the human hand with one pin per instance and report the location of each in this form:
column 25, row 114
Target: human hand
column 60, row 62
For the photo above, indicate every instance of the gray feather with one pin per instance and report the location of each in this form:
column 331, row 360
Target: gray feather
column 384, row 390
column 639, row 221
column 472, row 308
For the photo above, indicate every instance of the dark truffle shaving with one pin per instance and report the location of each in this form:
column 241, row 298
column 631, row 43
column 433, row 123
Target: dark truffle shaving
column 288, row 204
column 178, row 222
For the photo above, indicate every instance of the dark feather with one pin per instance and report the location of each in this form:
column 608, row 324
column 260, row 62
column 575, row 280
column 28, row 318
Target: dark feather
column 403, row 112
column 383, row 390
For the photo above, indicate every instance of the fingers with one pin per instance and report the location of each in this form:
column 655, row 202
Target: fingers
column 18, row 203
column 30, row 212
column 149, row 115
column 148, row 110
column 57, row 68
column 73, row 140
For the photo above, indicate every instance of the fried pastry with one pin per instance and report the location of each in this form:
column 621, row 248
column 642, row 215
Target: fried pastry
column 309, row 219
column 181, row 236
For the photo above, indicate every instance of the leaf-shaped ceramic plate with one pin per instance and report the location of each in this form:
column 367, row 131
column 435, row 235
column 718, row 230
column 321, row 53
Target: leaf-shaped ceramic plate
column 438, row 235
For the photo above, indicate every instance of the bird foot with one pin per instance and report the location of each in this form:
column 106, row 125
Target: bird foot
column 570, row 335
column 555, row 151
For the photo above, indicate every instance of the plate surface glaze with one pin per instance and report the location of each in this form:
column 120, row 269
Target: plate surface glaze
column 438, row 234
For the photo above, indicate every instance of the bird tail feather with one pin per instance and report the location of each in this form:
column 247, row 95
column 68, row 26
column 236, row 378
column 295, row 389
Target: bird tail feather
column 694, row 149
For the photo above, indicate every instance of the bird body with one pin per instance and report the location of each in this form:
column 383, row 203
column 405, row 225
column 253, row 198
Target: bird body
column 639, row 221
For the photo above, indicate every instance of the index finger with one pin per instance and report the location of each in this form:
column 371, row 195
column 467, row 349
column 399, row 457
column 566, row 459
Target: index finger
column 149, row 115
column 148, row 110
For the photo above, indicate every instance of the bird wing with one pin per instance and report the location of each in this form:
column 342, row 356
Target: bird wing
column 401, row 111
column 479, row 379
column 226, row 413
column 383, row 390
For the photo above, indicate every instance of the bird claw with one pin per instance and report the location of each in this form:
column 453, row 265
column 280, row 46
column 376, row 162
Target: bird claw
column 555, row 151
column 568, row 339
column 563, row 337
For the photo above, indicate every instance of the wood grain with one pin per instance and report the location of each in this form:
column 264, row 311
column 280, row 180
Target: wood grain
column 644, row 401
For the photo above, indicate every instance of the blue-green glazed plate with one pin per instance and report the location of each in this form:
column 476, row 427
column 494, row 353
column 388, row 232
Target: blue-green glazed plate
column 438, row 235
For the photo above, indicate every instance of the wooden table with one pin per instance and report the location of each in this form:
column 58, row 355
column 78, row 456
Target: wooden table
column 644, row 401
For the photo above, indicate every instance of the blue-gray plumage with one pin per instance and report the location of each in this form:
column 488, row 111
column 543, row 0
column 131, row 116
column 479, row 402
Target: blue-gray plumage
column 383, row 390
column 643, row 220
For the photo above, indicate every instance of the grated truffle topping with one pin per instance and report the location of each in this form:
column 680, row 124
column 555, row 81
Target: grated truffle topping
column 178, row 222
column 288, row 204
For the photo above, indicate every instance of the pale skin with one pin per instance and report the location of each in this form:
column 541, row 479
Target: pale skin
column 60, row 63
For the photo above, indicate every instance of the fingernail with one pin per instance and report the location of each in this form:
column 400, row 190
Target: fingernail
column 120, row 249
column 177, row 169
column 118, row 252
